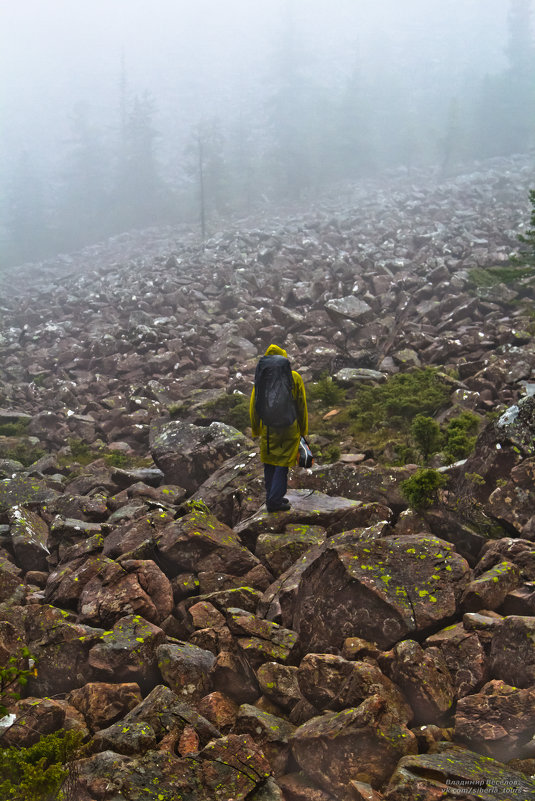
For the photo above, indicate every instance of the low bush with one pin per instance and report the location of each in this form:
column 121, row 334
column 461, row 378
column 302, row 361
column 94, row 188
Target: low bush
column 460, row 436
column 326, row 392
column 399, row 400
column 37, row 773
column 421, row 489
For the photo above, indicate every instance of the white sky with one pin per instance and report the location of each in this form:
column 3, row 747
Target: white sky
column 54, row 53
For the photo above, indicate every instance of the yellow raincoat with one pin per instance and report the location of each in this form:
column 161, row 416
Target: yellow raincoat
column 283, row 443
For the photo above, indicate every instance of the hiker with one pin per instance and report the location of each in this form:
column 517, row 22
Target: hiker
column 278, row 412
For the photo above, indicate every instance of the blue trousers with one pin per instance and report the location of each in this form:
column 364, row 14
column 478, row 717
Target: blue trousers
column 276, row 481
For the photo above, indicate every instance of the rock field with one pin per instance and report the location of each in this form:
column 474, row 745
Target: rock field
column 351, row 649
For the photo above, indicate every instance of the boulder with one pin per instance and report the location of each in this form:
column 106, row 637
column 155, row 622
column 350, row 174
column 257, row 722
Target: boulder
column 280, row 550
column 362, row 744
column 24, row 490
column 497, row 721
column 29, row 538
column 424, row 679
column 235, row 490
column 132, row 587
column 489, row 589
column 383, row 590
column 454, row 772
column 102, row 703
column 127, row 653
column 512, row 652
column 331, row 682
column 279, row 683
column 186, row 669
column 369, row 485
column 161, row 714
column 37, row 716
column 350, row 308
column 62, row 653
column 187, row 454
column 199, row 542
column 220, row 710
column 463, row 654
column 333, row 513
column 514, row 501
column 269, row 732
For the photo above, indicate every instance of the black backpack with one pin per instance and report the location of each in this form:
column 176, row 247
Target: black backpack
column 274, row 401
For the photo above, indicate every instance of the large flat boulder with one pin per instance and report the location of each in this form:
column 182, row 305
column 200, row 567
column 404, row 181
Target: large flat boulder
column 454, row 772
column 383, row 590
column 187, row 454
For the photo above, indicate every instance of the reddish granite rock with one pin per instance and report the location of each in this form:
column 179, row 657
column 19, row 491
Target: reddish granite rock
column 61, row 652
column 298, row 787
column 464, row 656
column 363, row 744
column 232, row 674
column 133, row 586
column 331, row 682
column 512, row 653
column 497, row 721
column 186, row 669
column 281, row 550
column 490, row 588
column 519, row 551
column 515, row 500
column 455, row 772
column 131, row 535
column 382, row 590
column 161, row 714
column 198, row 542
column 102, row 703
column 270, row 732
column 219, row 709
column 279, row 683
column 128, row 653
column 66, row 583
column 424, row 679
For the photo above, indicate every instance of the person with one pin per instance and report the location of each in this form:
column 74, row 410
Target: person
column 279, row 447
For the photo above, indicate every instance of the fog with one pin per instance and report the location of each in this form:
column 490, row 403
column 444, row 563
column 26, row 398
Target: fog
column 118, row 114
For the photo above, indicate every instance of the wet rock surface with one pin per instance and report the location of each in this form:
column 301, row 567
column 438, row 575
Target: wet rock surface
column 207, row 648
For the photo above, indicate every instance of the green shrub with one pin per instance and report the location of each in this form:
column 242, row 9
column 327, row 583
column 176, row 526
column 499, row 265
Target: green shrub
column 326, row 393
column 426, row 433
column 22, row 451
column 38, row 772
column 421, row 489
column 395, row 403
column 460, row 436
column 484, row 278
column 18, row 429
column 328, row 454
column 117, row 459
column 81, row 451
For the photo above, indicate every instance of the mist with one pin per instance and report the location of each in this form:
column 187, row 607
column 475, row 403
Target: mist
column 120, row 114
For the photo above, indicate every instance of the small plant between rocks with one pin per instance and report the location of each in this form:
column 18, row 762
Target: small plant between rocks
column 421, row 489
column 39, row 772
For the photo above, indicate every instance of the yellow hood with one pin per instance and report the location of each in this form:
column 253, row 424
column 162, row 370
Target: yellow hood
column 274, row 350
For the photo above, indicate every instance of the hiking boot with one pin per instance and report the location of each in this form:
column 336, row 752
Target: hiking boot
column 283, row 507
